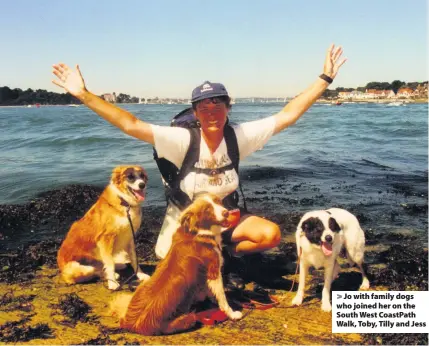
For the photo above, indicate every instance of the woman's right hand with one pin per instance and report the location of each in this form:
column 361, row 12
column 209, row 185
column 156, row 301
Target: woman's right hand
column 68, row 79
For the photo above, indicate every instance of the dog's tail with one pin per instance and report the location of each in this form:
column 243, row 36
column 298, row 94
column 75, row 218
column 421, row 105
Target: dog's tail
column 74, row 272
column 119, row 305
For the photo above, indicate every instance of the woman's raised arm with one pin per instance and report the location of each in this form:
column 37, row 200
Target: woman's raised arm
column 299, row 105
column 73, row 82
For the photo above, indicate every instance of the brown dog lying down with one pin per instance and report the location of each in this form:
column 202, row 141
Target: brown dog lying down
column 103, row 236
column 189, row 273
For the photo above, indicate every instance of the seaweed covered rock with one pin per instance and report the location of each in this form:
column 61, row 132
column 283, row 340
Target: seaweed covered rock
column 407, row 268
column 20, row 266
column 52, row 211
column 395, row 339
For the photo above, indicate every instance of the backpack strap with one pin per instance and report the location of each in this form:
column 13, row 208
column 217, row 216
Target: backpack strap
column 192, row 155
column 232, row 146
column 176, row 195
column 167, row 169
column 234, row 155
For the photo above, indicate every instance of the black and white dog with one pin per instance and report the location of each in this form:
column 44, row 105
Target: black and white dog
column 320, row 237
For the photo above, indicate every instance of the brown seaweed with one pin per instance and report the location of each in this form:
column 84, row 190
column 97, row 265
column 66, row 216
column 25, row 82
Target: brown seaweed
column 9, row 302
column 74, row 309
column 18, row 331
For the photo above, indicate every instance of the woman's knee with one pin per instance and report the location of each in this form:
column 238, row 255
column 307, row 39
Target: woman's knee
column 264, row 233
column 275, row 234
column 271, row 235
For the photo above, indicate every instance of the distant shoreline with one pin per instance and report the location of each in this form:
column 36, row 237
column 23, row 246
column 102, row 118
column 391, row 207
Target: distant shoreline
column 384, row 101
column 405, row 101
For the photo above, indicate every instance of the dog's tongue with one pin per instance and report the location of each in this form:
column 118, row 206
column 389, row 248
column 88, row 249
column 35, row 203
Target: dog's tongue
column 327, row 248
column 140, row 195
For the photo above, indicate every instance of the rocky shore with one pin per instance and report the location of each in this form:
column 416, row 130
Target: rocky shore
column 36, row 307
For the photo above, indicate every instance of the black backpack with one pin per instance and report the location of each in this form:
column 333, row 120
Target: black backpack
column 172, row 176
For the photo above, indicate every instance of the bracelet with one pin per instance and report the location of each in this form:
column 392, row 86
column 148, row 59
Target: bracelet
column 326, row 78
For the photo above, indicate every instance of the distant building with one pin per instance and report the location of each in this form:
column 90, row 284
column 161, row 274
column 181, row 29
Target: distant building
column 109, row 97
column 345, row 95
column 390, row 94
column 421, row 91
column 405, row 92
column 378, row 94
column 368, row 94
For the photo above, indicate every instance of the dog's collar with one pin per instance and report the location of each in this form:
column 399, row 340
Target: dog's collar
column 124, row 202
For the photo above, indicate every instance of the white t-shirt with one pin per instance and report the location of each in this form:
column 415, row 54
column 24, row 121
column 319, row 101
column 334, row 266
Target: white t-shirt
column 172, row 144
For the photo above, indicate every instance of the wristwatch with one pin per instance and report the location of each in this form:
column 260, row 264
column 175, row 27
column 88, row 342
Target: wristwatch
column 326, row 78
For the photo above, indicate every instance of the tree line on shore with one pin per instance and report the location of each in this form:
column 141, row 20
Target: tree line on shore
column 395, row 86
column 19, row 97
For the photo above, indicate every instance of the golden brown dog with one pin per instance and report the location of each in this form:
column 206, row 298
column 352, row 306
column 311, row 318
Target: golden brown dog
column 103, row 236
column 190, row 271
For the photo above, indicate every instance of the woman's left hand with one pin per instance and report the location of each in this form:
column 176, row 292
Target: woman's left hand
column 332, row 61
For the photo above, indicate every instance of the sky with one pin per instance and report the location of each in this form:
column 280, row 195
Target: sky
column 165, row 48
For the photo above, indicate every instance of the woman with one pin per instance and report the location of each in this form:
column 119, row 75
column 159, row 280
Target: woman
column 211, row 104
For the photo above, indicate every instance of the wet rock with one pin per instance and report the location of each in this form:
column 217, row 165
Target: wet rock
column 287, row 221
column 407, row 268
column 53, row 210
column 403, row 188
column 371, row 237
column 306, row 201
column 415, row 209
column 362, row 217
column 21, row 265
column 263, row 173
column 395, row 339
column 399, row 237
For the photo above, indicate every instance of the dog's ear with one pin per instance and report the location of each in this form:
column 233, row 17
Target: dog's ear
column 333, row 225
column 308, row 224
column 116, row 175
column 188, row 221
column 313, row 229
column 143, row 174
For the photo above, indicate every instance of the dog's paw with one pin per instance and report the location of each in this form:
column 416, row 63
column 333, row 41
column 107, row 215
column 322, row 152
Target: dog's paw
column 365, row 284
column 113, row 285
column 142, row 276
column 297, row 300
column 235, row 315
column 117, row 276
column 326, row 306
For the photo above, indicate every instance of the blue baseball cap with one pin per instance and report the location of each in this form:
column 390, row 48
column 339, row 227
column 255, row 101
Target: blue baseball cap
column 208, row 90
